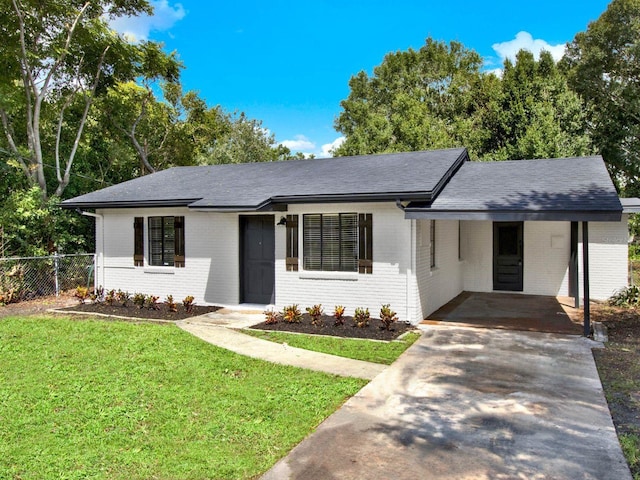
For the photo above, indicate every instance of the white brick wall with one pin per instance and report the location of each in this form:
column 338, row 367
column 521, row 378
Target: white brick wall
column 608, row 257
column 391, row 266
column 440, row 284
column 401, row 272
column 546, row 257
column 211, row 272
column 547, row 248
column 477, row 255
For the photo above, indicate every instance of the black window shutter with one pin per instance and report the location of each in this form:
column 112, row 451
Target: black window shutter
column 138, row 242
column 292, row 243
column 178, row 258
column 365, row 242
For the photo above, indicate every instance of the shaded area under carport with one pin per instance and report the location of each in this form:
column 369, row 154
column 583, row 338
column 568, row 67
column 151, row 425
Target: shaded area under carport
column 534, row 313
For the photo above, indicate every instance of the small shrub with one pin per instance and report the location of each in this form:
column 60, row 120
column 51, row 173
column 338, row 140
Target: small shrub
column 626, row 296
column 151, row 302
column 98, row 295
column 82, row 293
column 361, row 317
column 188, row 303
column 123, row 297
column 110, row 297
column 292, row 314
column 8, row 295
column 338, row 314
column 171, row 305
column 315, row 313
column 387, row 316
column 271, row 317
column 139, row 299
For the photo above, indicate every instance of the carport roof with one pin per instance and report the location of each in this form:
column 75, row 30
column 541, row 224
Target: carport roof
column 567, row 189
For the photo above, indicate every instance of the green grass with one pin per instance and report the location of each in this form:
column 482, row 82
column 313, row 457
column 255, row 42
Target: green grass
column 117, row 400
column 367, row 350
column 631, row 447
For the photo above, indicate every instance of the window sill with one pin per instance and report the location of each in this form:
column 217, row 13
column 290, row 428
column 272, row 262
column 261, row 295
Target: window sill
column 160, row 270
column 346, row 276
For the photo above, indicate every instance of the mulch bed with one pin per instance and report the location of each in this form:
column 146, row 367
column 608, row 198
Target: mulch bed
column 162, row 313
column 375, row 330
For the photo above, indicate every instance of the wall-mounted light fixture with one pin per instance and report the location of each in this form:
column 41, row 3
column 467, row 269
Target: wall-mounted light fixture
column 283, row 221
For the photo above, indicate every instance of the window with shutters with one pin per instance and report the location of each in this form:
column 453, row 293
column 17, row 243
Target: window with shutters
column 337, row 243
column 166, row 241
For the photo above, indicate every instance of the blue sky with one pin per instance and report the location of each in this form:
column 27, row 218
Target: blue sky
column 289, row 63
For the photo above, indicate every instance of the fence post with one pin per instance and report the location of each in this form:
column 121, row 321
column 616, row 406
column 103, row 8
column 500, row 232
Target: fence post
column 56, row 269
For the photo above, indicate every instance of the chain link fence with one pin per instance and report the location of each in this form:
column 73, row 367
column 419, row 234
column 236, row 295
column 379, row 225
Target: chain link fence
column 25, row 278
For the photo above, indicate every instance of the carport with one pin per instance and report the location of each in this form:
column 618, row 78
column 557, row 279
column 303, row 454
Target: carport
column 533, row 313
column 510, row 194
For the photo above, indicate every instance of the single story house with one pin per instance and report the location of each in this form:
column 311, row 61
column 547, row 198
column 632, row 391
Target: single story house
column 409, row 229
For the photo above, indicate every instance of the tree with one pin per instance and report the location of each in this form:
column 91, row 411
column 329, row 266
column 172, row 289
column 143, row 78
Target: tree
column 437, row 97
column 57, row 57
column 30, row 227
column 538, row 115
column 245, row 141
column 603, row 67
column 415, row 100
column 133, row 109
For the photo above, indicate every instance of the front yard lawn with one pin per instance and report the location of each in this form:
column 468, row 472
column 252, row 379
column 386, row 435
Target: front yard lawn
column 84, row 398
column 358, row 349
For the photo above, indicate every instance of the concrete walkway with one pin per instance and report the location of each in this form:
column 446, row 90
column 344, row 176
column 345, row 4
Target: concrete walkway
column 220, row 329
column 471, row 403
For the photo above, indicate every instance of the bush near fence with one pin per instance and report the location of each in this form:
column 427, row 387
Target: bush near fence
column 26, row 278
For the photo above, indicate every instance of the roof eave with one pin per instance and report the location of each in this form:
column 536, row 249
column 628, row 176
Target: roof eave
column 515, row 215
column 128, row 203
column 354, row 197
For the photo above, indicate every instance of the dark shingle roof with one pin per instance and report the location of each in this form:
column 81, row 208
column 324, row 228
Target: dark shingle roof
column 438, row 183
column 253, row 185
column 555, row 189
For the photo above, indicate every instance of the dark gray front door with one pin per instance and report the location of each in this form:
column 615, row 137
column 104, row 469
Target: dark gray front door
column 507, row 256
column 257, row 259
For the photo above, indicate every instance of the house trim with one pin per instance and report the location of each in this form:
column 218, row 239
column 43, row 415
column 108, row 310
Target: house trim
column 417, row 213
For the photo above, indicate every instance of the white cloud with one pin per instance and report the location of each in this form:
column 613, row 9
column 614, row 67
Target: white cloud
column 138, row 28
column 299, row 144
column 308, row 148
column 328, row 148
column 524, row 40
column 496, row 71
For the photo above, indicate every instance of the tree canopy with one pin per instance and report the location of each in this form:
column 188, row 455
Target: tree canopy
column 82, row 107
column 603, row 66
column 438, row 97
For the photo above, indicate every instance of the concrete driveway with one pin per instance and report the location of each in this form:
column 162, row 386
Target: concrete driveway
column 470, row 403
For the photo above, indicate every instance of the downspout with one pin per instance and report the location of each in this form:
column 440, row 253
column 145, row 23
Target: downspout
column 101, row 218
column 411, row 271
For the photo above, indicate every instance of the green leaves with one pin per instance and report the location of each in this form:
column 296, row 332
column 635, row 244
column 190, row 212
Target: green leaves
column 603, row 66
column 415, row 100
column 437, row 97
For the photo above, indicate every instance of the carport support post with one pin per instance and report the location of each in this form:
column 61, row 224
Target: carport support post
column 585, row 269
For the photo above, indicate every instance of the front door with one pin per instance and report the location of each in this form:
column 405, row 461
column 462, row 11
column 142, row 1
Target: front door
column 257, row 259
column 507, row 256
